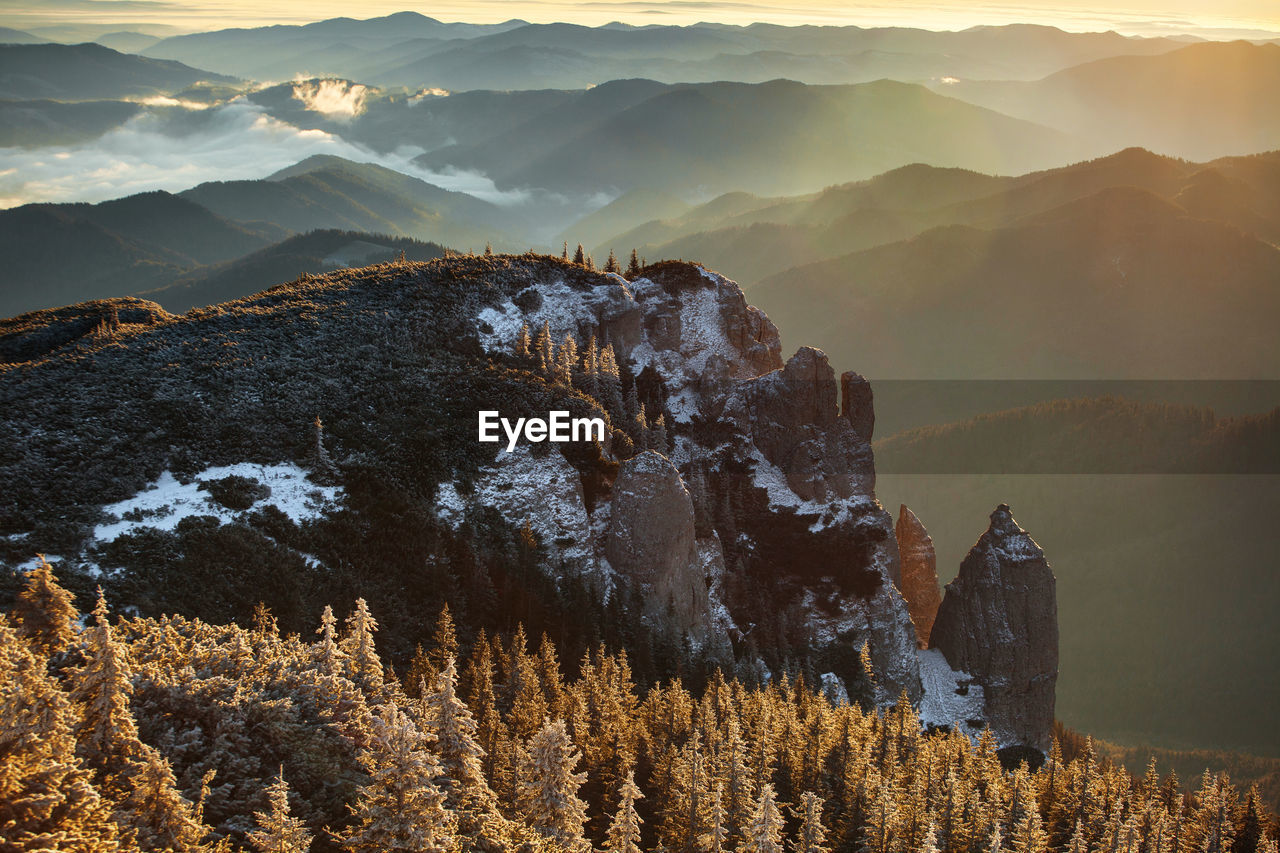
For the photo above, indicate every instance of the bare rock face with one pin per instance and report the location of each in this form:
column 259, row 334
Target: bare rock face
column 793, row 417
column 812, row 509
column 999, row 623
column 764, row 523
column 650, row 539
column 919, row 572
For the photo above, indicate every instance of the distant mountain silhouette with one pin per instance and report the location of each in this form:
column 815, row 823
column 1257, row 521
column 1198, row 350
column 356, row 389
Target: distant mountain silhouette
column 412, row 50
column 1203, row 101
column 314, row 253
column 753, row 238
column 330, row 192
column 1121, row 283
column 57, row 254
column 1106, row 435
column 38, row 123
column 85, row 72
column 771, row 137
column 8, row 35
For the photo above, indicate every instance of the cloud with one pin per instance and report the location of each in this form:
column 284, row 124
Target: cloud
column 174, row 149
column 336, row 99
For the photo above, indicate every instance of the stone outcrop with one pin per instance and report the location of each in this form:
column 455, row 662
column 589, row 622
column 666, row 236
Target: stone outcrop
column 793, row 417
column 650, row 540
column 823, row 525
column 999, row 623
column 919, row 572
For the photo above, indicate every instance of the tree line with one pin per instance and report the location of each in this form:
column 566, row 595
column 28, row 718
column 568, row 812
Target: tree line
column 171, row 734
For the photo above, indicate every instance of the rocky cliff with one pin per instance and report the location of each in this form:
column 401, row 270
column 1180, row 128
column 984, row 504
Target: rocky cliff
column 919, row 572
column 729, row 515
column 998, row 622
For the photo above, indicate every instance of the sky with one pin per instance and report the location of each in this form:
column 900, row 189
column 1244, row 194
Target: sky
column 1208, row 18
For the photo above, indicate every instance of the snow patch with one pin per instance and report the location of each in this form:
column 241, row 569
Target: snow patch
column 167, row 501
column 941, row 704
column 545, row 491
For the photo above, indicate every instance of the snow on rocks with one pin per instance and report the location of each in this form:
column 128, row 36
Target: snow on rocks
column 951, row 697
column 167, row 501
column 545, row 491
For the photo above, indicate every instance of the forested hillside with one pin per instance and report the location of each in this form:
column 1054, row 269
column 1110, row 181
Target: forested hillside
column 174, row 734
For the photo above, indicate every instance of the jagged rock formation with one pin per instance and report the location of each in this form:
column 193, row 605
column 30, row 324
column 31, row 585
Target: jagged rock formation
column 650, row 539
column 919, row 572
column 998, row 622
column 814, row 464
column 750, row 533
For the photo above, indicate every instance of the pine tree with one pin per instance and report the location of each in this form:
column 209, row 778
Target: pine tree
column 812, row 834
column 278, row 831
column 460, row 754
column 633, row 266
column 328, row 655
column 567, row 361
column 106, row 734
column 153, row 808
column 685, row 813
column 930, row 843
column 444, row 645
column 611, row 264
column 717, row 839
column 548, row 795
column 47, row 799
column 363, row 663
column 764, row 834
column 579, row 256
column 624, row 830
column 544, row 349
column 564, row 254
column 523, row 343
column 658, row 435
column 400, row 809
column 44, row 612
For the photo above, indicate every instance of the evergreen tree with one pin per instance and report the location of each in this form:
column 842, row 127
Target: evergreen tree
column 328, row 655
column 545, row 349
column 549, row 788
column 633, row 266
column 278, row 831
column 153, row 809
column 106, row 734
column 523, row 343
column 764, row 834
column 624, row 831
column 718, row 838
column 363, row 663
column 47, row 799
column 400, row 809
column 812, row 835
column 579, row 256
column 44, row 612
column 611, row 264
column 460, row 754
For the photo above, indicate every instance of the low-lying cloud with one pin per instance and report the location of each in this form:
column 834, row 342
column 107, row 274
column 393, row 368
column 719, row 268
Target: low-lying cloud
column 171, row 148
column 336, row 99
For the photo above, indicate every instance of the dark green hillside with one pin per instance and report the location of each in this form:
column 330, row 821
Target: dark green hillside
column 1090, row 436
column 314, row 253
column 1122, row 284
column 329, row 192
column 38, row 123
column 63, row 253
column 86, row 72
column 386, row 357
